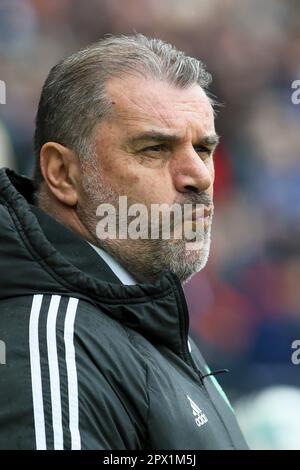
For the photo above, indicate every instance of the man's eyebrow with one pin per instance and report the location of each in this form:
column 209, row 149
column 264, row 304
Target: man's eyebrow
column 209, row 140
column 155, row 136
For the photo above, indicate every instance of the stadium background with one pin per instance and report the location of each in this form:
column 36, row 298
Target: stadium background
column 245, row 306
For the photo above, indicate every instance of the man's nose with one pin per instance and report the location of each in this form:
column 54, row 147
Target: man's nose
column 190, row 173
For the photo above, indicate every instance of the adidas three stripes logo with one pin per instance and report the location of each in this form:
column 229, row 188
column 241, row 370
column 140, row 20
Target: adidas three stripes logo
column 53, row 372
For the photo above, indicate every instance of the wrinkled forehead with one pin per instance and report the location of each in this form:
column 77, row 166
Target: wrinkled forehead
column 144, row 103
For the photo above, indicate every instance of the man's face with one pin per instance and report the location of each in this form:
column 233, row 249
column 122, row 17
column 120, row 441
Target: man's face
column 157, row 147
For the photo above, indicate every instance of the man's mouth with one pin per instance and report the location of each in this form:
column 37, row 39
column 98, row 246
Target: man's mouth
column 201, row 217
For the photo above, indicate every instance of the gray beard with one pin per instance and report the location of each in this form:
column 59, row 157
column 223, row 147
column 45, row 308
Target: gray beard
column 146, row 259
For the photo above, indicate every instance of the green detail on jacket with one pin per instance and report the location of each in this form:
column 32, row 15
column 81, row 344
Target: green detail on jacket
column 219, row 388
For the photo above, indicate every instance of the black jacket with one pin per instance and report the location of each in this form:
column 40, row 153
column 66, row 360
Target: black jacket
column 91, row 363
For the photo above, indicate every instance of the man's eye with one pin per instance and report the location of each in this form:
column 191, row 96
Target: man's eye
column 201, row 149
column 155, row 148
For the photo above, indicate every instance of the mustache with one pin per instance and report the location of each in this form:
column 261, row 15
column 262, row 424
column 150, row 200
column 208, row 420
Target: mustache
column 194, row 199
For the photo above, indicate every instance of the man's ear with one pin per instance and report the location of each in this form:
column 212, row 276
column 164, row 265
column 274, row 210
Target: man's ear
column 61, row 171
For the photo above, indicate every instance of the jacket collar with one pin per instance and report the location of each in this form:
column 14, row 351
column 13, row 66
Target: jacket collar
column 122, row 273
column 66, row 264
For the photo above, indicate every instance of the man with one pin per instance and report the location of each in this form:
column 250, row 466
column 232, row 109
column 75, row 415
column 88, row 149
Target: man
column 96, row 327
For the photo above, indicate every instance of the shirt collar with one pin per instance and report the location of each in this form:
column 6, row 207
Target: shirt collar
column 124, row 276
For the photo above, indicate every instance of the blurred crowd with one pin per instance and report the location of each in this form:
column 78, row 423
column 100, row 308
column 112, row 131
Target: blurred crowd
column 245, row 305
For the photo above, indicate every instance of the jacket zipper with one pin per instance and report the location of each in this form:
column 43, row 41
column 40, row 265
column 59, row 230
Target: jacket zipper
column 184, row 321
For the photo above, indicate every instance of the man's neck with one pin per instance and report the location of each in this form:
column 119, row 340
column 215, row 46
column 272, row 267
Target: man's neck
column 65, row 215
column 68, row 217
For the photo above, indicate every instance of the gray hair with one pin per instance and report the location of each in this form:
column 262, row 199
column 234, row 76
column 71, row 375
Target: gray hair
column 74, row 97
